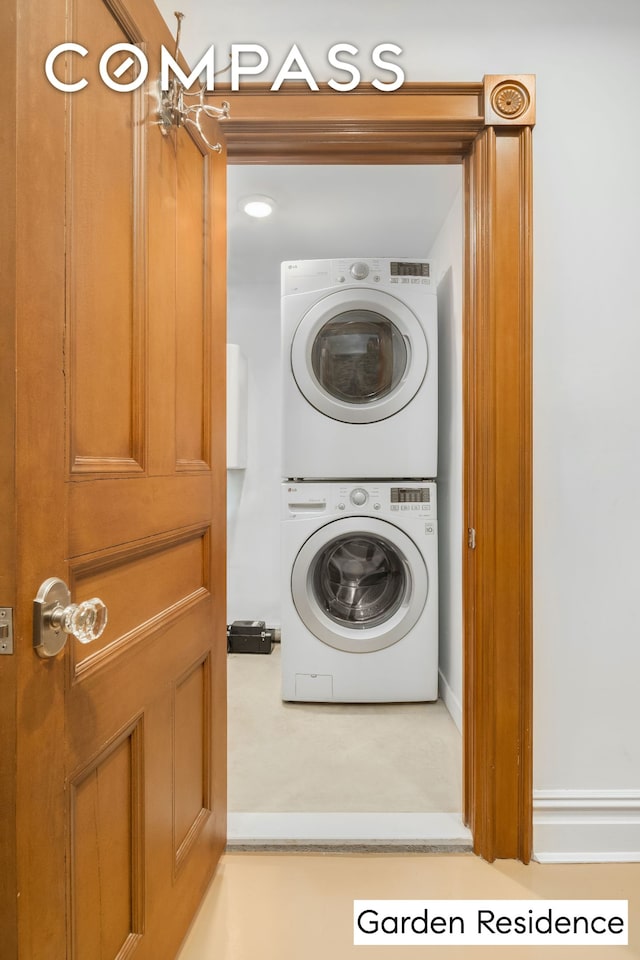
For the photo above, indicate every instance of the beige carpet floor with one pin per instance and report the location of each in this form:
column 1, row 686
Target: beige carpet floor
column 335, row 757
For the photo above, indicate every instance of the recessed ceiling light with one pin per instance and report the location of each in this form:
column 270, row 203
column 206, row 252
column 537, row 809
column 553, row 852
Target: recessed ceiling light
column 257, row 206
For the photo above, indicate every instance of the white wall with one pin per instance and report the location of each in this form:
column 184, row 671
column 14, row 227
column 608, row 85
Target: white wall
column 253, row 591
column 586, row 344
column 447, row 253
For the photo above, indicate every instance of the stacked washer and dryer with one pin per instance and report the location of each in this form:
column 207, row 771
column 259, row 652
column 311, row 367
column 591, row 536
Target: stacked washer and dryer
column 359, row 505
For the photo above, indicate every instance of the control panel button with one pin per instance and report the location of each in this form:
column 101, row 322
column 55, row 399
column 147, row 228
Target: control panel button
column 376, row 506
column 359, row 270
column 341, row 506
column 359, row 497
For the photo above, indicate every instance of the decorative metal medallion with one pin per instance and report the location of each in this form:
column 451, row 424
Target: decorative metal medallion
column 509, row 100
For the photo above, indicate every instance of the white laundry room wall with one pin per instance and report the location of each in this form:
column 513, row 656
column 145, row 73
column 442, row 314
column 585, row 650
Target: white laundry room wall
column 447, row 253
column 586, row 414
column 253, row 493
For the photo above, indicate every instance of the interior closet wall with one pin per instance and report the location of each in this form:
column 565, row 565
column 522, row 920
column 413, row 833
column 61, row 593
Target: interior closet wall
column 447, row 253
column 253, row 503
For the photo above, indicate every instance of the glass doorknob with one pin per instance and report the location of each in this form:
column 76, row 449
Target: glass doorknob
column 54, row 616
column 86, row 620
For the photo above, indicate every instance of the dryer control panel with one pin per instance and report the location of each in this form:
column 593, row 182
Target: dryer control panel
column 299, row 276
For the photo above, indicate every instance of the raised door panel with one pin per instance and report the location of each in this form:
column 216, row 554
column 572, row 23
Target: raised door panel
column 191, row 756
column 147, row 586
column 107, row 850
column 105, row 237
column 193, row 334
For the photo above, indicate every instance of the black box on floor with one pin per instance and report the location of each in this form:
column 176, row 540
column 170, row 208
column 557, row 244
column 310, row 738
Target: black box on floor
column 249, row 636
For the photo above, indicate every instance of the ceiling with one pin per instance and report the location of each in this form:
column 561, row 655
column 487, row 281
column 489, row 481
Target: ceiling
column 329, row 211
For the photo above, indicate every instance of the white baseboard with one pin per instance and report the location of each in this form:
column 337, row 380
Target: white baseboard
column 586, row 826
column 450, row 701
column 345, row 827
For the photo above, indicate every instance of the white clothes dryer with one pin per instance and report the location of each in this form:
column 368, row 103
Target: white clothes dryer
column 360, row 592
column 360, row 370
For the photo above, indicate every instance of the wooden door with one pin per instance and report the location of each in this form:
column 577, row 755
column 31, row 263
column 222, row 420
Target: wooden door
column 117, row 786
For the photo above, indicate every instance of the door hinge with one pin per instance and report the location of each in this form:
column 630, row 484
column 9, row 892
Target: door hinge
column 471, row 538
column 6, row 630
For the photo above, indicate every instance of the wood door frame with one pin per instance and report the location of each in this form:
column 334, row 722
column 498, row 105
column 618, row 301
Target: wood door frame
column 486, row 127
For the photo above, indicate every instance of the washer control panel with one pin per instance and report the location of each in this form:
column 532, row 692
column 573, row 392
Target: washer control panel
column 402, row 499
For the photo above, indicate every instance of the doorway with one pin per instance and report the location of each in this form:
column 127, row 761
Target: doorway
column 485, row 127
column 291, row 773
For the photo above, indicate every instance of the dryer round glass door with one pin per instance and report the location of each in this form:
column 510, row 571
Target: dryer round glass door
column 359, row 356
column 359, row 584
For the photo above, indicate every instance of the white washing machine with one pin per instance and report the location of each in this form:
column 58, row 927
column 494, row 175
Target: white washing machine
column 360, row 591
column 360, row 370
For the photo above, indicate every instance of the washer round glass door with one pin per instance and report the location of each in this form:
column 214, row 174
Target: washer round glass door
column 359, row 584
column 359, row 356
